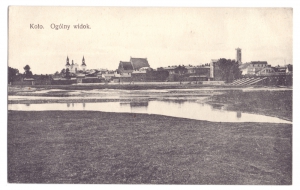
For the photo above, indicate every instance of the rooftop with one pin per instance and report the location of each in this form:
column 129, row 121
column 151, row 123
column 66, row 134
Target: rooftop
column 138, row 63
column 126, row 65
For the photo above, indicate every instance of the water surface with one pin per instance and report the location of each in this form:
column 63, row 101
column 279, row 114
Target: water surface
column 174, row 108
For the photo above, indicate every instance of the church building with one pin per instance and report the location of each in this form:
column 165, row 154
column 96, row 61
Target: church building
column 73, row 68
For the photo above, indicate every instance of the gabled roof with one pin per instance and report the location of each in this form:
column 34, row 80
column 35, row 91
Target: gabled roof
column 258, row 69
column 138, row 63
column 244, row 66
column 126, row 65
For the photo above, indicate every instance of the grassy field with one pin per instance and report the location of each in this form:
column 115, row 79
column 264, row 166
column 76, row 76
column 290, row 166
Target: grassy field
column 98, row 147
column 272, row 103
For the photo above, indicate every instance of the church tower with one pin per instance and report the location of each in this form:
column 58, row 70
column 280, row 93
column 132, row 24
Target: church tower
column 83, row 65
column 67, row 63
column 239, row 55
column 72, row 67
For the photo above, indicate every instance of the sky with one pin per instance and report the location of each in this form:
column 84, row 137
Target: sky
column 165, row 36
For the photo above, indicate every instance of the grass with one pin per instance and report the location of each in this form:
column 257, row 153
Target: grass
column 272, row 103
column 98, row 147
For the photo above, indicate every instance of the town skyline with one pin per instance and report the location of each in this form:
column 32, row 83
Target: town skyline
column 165, row 36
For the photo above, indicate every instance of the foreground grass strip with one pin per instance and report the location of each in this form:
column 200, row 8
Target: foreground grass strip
column 97, row 147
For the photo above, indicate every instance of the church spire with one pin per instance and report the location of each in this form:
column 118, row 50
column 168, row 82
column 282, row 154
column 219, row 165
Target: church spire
column 83, row 61
column 67, row 61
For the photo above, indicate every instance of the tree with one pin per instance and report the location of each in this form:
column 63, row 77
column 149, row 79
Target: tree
column 68, row 76
column 227, row 70
column 63, row 72
column 27, row 73
column 12, row 73
column 180, row 70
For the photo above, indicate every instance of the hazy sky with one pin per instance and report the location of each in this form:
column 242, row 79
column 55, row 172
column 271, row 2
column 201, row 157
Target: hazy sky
column 166, row 36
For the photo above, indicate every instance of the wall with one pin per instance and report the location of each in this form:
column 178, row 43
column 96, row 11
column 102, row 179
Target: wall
column 91, row 80
column 157, row 75
column 214, row 82
column 21, row 83
column 63, row 82
column 138, row 77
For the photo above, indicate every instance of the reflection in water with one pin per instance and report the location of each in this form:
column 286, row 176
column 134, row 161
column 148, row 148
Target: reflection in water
column 139, row 107
column 177, row 101
column 217, row 106
column 136, row 107
column 187, row 109
column 138, row 104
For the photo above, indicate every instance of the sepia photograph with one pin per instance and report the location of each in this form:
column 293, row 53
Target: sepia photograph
column 150, row 95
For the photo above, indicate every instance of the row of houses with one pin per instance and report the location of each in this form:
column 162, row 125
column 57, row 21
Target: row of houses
column 139, row 70
column 262, row 68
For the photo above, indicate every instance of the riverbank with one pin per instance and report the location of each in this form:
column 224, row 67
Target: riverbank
column 275, row 102
column 270, row 103
column 99, row 147
column 127, row 86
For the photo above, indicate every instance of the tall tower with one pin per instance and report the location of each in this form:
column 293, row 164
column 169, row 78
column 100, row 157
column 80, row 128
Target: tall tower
column 239, row 55
column 67, row 63
column 83, row 65
column 72, row 67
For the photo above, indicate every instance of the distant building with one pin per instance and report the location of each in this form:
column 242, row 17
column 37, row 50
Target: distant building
column 125, row 67
column 139, row 63
column 192, row 73
column 244, row 68
column 239, row 55
column 170, row 69
column 266, row 71
column 83, row 65
column 213, row 68
column 261, row 68
column 280, row 69
column 73, row 68
column 256, row 66
column 135, row 64
column 289, row 69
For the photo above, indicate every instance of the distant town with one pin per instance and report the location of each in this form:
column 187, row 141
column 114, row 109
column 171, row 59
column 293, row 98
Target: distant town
column 139, row 70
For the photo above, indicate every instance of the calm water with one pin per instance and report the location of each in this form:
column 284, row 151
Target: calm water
column 175, row 108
